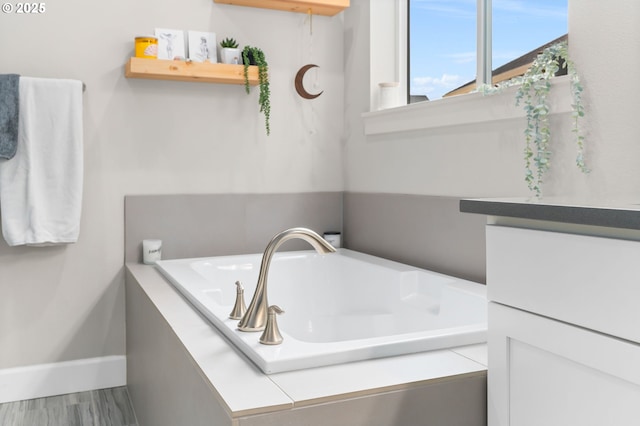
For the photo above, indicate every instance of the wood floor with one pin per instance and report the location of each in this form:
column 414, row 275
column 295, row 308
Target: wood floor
column 104, row 407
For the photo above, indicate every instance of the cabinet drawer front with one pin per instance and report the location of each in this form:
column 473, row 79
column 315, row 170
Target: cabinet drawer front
column 593, row 282
column 545, row 372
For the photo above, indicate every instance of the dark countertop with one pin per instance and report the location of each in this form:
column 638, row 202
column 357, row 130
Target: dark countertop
column 612, row 213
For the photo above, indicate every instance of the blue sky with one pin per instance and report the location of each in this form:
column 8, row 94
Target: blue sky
column 443, row 38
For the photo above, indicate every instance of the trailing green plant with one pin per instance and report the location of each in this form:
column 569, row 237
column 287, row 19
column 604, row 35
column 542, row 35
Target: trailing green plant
column 533, row 91
column 255, row 56
column 229, row 43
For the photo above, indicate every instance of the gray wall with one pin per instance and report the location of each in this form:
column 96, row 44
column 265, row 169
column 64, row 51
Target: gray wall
column 220, row 224
column 424, row 231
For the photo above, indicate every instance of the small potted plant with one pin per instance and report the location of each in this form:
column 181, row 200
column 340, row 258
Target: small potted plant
column 255, row 56
column 230, row 53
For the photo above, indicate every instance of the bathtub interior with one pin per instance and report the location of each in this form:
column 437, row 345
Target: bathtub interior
column 338, row 308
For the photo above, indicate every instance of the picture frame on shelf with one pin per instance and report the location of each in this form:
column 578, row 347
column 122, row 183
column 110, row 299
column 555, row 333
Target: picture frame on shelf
column 202, row 46
column 171, row 44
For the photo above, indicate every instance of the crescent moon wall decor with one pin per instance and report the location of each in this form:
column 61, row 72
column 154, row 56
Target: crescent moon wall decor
column 300, row 87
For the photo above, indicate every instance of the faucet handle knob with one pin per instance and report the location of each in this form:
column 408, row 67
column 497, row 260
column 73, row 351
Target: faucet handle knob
column 239, row 308
column 275, row 309
column 271, row 334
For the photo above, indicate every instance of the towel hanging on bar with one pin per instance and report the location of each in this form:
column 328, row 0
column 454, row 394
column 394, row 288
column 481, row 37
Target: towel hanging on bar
column 41, row 187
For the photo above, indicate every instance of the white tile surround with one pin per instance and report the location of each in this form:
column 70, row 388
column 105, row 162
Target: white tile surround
column 245, row 390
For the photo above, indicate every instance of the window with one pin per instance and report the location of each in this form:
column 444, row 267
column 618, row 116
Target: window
column 450, row 42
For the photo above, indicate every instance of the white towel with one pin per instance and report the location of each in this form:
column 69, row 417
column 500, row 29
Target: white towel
column 41, row 187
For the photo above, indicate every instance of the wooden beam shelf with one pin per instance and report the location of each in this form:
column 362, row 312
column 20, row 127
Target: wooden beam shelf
column 160, row 69
column 317, row 7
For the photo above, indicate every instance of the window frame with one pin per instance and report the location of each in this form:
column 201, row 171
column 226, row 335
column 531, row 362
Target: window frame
column 483, row 42
column 447, row 114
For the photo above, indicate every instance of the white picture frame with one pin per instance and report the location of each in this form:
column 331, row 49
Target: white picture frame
column 171, row 44
column 202, row 46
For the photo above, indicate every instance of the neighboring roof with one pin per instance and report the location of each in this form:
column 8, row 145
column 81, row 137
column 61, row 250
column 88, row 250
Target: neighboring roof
column 512, row 69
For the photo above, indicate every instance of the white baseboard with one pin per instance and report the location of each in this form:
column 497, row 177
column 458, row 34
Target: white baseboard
column 36, row 381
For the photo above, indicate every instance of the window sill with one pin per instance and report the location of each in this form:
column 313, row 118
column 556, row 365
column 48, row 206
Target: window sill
column 463, row 110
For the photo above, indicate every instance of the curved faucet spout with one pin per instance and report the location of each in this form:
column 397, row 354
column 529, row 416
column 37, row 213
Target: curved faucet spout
column 255, row 318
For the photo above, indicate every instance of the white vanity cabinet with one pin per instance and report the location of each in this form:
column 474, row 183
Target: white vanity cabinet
column 564, row 328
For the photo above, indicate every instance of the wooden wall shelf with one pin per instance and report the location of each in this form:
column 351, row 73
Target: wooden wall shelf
column 160, row 69
column 317, row 7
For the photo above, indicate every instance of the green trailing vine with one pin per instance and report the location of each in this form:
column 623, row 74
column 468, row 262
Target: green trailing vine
column 255, row 56
column 533, row 91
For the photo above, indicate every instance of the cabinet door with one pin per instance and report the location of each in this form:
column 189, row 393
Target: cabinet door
column 548, row 373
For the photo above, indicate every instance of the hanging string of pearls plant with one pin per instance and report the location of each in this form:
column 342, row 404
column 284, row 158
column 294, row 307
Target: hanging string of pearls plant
column 533, row 93
column 255, row 56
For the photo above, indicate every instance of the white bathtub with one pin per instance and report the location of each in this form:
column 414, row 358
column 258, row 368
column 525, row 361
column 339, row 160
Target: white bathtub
column 339, row 307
